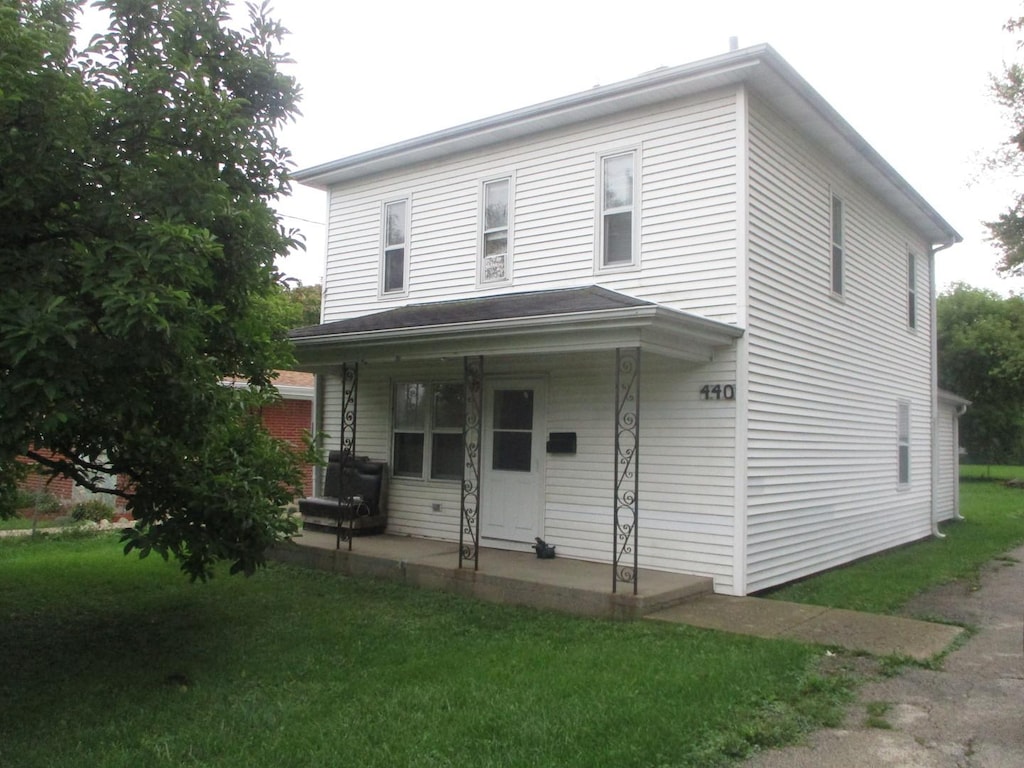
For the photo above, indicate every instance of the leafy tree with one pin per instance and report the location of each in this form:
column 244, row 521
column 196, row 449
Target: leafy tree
column 981, row 357
column 137, row 247
column 305, row 302
column 1008, row 229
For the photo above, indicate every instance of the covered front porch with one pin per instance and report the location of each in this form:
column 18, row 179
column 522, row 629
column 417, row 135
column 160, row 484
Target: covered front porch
column 515, row 578
column 572, row 359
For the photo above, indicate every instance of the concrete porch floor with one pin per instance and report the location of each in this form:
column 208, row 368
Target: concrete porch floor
column 518, row 578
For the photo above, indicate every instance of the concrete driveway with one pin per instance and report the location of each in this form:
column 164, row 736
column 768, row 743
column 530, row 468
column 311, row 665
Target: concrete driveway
column 969, row 714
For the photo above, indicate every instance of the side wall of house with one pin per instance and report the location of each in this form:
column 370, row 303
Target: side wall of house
column 827, row 373
column 686, row 197
column 948, row 490
column 686, row 457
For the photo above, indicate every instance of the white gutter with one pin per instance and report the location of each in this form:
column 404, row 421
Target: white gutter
column 661, row 330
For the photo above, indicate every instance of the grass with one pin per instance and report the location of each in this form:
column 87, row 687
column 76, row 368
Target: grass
column 993, row 524
column 109, row 661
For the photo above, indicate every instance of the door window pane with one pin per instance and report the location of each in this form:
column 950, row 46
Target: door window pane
column 512, row 451
column 513, row 409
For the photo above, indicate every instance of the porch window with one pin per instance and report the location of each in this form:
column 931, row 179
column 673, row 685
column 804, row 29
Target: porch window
column 617, row 193
column 428, row 418
column 494, row 237
column 395, row 262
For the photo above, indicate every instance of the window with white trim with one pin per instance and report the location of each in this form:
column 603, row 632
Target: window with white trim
column 911, row 290
column 838, row 250
column 395, row 256
column 495, row 235
column 427, row 432
column 617, row 197
column 903, row 442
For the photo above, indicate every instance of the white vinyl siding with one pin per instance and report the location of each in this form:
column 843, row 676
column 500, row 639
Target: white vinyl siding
column 686, row 236
column 825, row 376
column 947, row 493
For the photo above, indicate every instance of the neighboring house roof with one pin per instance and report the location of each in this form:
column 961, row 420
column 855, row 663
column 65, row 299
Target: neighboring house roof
column 950, row 398
column 539, row 321
column 291, row 385
column 760, row 68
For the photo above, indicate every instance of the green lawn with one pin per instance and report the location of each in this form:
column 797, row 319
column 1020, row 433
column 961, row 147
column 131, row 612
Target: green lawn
column 109, row 661
column 993, row 524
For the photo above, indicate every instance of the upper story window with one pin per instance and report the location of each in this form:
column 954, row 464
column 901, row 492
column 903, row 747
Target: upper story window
column 395, row 258
column 838, row 250
column 427, row 434
column 911, row 290
column 617, row 197
column 496, row 231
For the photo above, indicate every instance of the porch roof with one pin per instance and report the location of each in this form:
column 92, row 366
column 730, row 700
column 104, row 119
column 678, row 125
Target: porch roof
column 550, row 321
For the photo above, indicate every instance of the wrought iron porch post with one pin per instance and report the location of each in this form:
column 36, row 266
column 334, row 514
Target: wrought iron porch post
column 469, row 524
column 349, row 389
column 627, row 467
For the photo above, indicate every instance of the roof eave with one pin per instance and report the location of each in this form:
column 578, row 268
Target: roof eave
column 665, row 332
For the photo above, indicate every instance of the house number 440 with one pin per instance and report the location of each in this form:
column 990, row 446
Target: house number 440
column 718, row 392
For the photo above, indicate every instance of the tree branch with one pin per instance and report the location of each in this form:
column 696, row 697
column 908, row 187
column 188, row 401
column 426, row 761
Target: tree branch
column 70, row 468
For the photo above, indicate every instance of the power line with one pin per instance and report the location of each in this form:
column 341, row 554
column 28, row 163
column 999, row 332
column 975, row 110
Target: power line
column 299, row 218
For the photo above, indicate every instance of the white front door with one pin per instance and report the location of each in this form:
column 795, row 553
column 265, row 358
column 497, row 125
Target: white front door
column 512, row 493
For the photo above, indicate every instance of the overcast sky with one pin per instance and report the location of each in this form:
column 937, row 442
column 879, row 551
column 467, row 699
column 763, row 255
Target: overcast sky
column 911, row 77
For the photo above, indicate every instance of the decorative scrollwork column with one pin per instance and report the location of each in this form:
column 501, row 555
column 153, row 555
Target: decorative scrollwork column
column 627, row 467
column 469, row 527
column 349, row 389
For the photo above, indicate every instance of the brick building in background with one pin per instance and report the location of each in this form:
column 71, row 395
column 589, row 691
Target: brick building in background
column 292, row 417
column 288, row 419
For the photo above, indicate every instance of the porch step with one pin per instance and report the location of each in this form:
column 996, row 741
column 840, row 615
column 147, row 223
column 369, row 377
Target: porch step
column 571, row 586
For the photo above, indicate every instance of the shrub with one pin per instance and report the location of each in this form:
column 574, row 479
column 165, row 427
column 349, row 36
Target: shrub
column 93, row 510
column 42, row 502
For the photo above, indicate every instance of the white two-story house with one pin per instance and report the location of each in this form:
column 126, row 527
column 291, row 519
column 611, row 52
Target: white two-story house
column 683, row 322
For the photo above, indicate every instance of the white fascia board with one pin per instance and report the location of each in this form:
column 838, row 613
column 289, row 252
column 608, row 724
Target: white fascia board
column 665, row 332
column 293, row 392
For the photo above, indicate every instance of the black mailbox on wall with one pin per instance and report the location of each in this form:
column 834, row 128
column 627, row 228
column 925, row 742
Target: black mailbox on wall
column 561, row 442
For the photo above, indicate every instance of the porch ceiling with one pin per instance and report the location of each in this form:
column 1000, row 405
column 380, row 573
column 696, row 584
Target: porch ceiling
column 538, row 322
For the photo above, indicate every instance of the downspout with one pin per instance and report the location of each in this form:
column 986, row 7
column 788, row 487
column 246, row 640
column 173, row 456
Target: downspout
column 934, row 356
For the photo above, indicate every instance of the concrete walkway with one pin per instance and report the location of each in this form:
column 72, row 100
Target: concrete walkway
column 854, row 631
column 967, row 714
column 584, row 588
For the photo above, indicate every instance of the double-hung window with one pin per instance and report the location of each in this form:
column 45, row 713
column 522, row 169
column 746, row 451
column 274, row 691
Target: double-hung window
column 838, row 249
column 495, row 232
column 395, row 259
column 427, row 439
column 911, row 290
column 617, row 208
column 903, row 442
